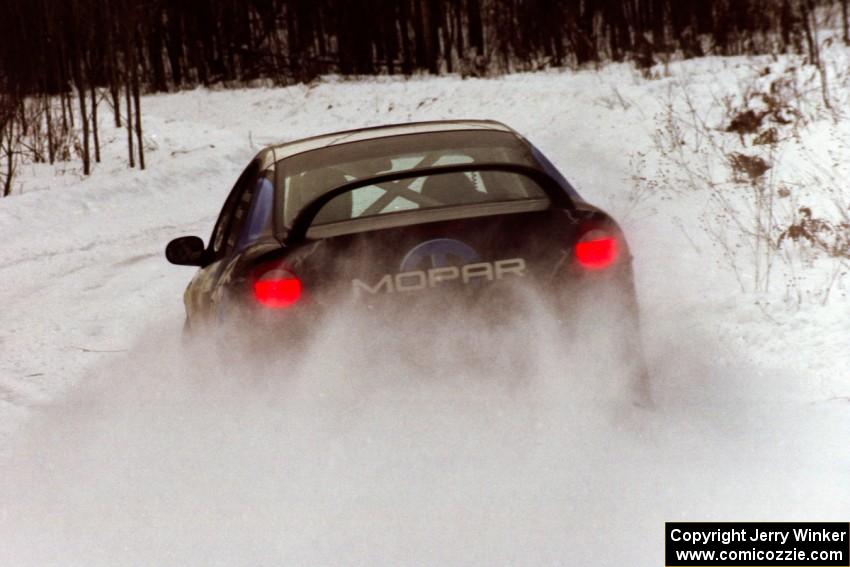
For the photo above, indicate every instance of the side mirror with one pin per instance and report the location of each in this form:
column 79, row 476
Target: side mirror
column 186, row 251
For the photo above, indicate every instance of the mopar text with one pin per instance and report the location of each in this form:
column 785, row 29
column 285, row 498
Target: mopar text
column 416, row 280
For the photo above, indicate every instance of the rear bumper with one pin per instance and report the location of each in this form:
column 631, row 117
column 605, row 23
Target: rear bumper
column 579, row 303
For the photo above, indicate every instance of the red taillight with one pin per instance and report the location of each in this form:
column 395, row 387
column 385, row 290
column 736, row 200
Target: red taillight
column 276, row 287
column 596, row 250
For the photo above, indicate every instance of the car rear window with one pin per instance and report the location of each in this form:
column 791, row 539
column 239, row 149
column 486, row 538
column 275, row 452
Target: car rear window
column 430, row 192
column 303, row 177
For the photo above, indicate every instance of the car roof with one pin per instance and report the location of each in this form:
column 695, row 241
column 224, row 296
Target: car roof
column 284, row 150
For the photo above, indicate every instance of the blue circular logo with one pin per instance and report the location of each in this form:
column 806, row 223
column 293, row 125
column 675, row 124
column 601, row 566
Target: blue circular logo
column 438, row 253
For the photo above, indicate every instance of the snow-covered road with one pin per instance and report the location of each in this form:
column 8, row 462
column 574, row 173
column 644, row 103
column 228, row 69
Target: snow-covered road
column 120, row 448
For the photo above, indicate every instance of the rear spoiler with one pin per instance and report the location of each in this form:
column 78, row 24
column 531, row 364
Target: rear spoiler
column 304, row 219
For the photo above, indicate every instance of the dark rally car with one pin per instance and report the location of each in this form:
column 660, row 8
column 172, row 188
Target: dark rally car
column 449, row 214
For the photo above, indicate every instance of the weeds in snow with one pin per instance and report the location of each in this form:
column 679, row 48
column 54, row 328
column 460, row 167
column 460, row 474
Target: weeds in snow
column 773, row 204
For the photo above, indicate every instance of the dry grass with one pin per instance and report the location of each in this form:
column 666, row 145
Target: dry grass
column 732, row 151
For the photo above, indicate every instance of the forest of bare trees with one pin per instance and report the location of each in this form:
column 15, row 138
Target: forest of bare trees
column 61, row 61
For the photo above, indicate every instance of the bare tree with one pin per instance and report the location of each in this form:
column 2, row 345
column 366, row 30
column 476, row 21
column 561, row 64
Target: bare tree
column 70, row 52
